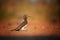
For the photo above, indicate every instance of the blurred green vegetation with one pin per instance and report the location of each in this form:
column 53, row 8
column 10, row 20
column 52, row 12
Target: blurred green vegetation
column 38, row 11
column 4, row 15
column 53, row 14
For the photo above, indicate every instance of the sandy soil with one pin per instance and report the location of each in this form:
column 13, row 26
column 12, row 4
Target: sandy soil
column 37, row 22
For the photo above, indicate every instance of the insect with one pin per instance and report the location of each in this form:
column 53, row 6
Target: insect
column 22, row 24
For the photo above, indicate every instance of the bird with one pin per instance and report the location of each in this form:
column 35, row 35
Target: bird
column 22, row 24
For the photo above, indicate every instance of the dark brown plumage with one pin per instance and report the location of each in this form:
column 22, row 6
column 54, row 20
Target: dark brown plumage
column 22, row 24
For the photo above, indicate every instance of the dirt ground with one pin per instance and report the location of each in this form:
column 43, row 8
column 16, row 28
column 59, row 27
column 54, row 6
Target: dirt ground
column 37, row 22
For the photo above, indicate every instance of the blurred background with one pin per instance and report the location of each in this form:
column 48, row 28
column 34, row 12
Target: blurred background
column 43, row 17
